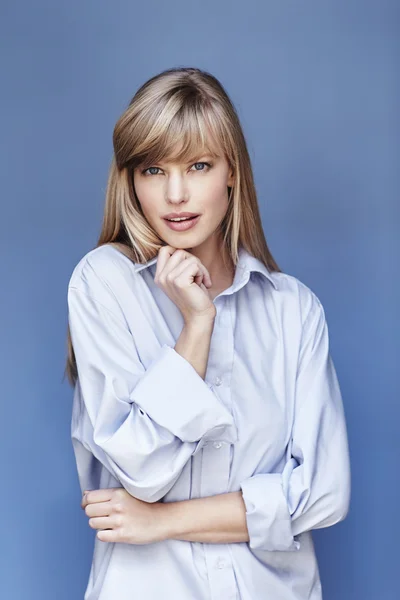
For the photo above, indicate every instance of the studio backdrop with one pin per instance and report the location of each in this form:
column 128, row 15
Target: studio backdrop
column 316, row 86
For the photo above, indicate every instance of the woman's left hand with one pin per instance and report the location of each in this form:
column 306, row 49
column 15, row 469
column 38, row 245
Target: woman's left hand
column 120, row 517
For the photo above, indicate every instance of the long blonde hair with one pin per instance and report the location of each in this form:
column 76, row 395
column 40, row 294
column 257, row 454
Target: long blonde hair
column 179, row 106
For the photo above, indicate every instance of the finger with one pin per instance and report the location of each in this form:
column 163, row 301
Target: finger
column 108, row 535
column 202, row 275
column 177, row 264
column 195, row 269
column 83, row 500
column 100, row 509
column 172, row 260
column 93, row 496
column 164, row 254
column 100, row 523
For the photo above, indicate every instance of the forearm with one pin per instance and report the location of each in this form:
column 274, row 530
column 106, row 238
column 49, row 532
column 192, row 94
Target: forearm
column 217, row 519
column 194, row 344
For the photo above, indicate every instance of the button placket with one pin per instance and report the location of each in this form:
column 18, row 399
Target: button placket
column 221, row 564
column 220, row 571
column 216, row 456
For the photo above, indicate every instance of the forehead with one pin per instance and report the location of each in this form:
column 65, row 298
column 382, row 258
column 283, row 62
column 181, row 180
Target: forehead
column 183, row 142
column 185, row 155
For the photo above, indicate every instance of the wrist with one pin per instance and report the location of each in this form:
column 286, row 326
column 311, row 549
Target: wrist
column 200, row 324
column 167, row 520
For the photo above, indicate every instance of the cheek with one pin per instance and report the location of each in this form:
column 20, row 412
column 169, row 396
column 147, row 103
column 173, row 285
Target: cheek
column 215, row 196
column 139, row 191
column 145, row 197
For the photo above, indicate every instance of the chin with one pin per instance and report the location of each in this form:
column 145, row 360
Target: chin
column 175, row 240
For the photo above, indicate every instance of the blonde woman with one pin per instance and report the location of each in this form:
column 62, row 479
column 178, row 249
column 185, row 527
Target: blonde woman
column 208, row 424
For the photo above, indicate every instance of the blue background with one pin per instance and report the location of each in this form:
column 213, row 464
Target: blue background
column 316, row 85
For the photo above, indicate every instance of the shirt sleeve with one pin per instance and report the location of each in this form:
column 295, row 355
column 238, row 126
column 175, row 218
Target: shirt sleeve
column 313, row 491
column 143, row 424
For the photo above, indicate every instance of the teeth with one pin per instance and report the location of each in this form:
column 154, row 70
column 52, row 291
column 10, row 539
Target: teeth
column 180, row 219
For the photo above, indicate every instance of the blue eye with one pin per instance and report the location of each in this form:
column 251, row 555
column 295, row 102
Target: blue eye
column 202, row 163
column 148, row 169
column 208, row 166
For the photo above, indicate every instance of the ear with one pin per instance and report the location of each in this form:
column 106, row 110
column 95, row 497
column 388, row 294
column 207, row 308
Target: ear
column 231, row 178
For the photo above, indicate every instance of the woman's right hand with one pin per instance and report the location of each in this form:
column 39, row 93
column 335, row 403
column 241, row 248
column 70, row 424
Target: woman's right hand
column 185, row 281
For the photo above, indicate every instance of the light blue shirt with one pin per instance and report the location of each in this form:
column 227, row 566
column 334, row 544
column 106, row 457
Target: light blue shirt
column 267, row 420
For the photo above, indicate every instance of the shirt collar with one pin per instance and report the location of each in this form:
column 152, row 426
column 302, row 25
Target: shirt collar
column 246, row 262
column 250, row 263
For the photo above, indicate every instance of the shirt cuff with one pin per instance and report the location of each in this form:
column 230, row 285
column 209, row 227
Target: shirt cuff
column 174, row 395
column 267, row 513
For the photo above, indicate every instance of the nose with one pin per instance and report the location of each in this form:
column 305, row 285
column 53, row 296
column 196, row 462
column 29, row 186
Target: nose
column 176, row 190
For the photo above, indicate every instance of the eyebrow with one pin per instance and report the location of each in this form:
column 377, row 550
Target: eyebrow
column 193, row 157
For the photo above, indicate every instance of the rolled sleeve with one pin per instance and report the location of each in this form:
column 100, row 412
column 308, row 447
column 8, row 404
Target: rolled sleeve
column 313, row 489
column 142, row 424
column 175, row 396
column 267, row 514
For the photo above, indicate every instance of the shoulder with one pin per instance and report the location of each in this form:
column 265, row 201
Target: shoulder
column 106, row 275
column 105, row 263
column 295, row 296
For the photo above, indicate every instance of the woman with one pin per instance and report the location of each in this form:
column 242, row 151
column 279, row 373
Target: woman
column 208, row 424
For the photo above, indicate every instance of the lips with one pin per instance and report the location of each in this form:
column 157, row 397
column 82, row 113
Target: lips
column 181, row 218
column 181, row 215
column 182, row 225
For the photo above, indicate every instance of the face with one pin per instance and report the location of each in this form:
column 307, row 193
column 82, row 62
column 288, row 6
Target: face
column 199, row 187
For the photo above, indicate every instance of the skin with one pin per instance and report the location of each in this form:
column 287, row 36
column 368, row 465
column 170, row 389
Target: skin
column 193, row 187
column 191, row 271
column 183, row 277
column 119, row 517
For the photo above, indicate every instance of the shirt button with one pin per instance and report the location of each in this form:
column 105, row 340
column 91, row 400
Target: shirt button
column 221, row 564
column 218, row 381
column 217, row 445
